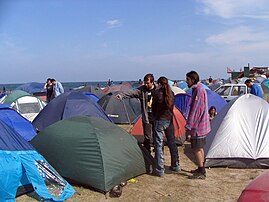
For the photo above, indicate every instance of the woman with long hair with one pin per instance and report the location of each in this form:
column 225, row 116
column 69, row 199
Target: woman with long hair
column 162, row 108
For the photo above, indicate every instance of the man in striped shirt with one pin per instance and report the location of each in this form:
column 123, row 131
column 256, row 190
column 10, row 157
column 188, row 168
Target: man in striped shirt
column 198, row 124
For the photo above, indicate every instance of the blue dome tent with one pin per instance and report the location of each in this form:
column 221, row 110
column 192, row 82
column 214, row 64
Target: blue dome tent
column 32, row 87
column 17, row 122
column 183, row 102
column 67, row 105
column 23, row 170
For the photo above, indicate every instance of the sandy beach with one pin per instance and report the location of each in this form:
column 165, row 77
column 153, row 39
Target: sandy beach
column 221, row 184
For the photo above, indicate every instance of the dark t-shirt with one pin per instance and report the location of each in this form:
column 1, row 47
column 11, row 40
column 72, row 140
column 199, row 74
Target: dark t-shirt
column 49, row 92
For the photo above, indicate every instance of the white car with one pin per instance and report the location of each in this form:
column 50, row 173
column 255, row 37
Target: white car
column 231, row 91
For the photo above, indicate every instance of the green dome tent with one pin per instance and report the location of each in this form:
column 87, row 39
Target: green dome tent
column 91, row 151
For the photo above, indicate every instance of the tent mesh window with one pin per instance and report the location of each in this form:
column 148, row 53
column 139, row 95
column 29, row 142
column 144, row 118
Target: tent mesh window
column 54, row 182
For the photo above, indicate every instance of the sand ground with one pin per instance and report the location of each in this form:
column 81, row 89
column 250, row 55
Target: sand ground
column 221, row 184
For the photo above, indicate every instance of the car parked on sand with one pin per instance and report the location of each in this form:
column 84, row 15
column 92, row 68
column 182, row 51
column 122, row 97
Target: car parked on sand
column 230, row 91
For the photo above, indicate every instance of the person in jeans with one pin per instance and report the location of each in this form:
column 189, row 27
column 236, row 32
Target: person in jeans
column 198, row 123
column 162, row 107
column 144, row 93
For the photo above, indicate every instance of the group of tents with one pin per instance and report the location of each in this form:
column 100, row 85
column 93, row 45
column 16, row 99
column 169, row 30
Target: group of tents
column 76, row 136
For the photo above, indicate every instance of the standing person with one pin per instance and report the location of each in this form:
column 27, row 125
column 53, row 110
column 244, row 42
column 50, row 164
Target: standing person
column 198, row 124
column 57, row 88
column 49, row 89
column 144, row 93
column 255, row 89
column 162, row 107
column 108, row 83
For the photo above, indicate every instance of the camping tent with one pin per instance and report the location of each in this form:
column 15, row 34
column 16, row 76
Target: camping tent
column 239, row 134
column 23, row 169
column 182, row 84
column 265, row 88
column 176, row 90
column 92, row 96
column 183, row 101
column 125, row 86
column 68, row 105
column 17, row 122
column 92, row 89
column 214, row 99
column 179, row 128
column 125, row 111
column 91, row 151
column 24, row 103
column 32, row 87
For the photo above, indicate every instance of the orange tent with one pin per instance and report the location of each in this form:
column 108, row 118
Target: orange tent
column 179, row 126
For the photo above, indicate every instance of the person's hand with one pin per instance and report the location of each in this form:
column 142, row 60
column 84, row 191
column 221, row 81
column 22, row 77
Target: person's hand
column 188, row 135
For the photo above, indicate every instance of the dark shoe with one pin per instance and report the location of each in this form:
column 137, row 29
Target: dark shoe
column 197, row 171
column 198, row 175
column 194, row 171
column 154, row 173
column 175, row 168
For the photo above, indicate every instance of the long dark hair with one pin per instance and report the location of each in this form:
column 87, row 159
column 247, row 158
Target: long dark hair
column 167, row 92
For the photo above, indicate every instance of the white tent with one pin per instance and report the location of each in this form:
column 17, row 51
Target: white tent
column 176, row 90
column 24, row 103
column 239, row 134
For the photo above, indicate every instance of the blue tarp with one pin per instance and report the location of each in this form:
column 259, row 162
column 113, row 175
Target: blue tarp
column 17, row 122
column 22, row 165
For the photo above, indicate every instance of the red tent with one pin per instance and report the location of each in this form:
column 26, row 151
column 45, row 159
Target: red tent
column 179, row 126
column 256, row 190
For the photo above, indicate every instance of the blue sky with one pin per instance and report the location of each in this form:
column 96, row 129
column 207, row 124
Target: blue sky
column 97, row 40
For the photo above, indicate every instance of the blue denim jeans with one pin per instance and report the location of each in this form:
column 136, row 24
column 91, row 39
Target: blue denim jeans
column 164, row 127
column 171, row 142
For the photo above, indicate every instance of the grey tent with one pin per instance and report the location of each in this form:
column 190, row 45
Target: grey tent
column 126, row 111
column 92, row 89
